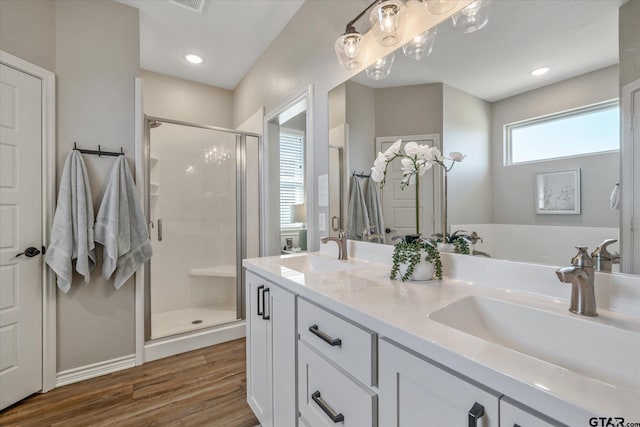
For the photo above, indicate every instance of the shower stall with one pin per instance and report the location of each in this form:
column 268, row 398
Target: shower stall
column 201, row 195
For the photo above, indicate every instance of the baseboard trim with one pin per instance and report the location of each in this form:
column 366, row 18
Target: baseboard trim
column 165, row 347
column 86, row 372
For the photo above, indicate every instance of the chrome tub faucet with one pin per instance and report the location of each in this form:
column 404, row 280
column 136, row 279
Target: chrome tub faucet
column 581, row 276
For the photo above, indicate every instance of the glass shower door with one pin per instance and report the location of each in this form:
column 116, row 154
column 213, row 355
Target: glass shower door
column 194, row 188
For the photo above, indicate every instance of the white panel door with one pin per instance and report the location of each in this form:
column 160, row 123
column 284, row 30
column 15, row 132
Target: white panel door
column 20, row 228
column 399, row 206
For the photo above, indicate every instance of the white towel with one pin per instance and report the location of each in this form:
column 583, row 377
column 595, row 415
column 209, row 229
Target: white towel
column 374, row 208
column 358, row 219
column 614, row 198
column 121, row 227
column 72, row 231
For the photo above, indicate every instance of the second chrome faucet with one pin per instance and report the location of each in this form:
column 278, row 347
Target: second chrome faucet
column 341, row 240
column 582, row 277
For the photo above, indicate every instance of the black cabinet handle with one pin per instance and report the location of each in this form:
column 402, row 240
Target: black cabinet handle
column 516, row 425
column 259, row 313
column 265, row 316
column 475, row 413
column 336, row 418
column 324, row 337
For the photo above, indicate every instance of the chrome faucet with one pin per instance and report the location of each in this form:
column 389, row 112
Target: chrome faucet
column 581, row 276
column 341, row 240
column 368, row 236
column 603, row 258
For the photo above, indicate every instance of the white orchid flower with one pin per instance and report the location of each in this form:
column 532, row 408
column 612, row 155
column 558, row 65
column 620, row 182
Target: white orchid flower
column 411, row 148
column 379, row 166
column 424, row 166
column 393, row 150
column 408, row 167
column 456, row 156
column 436, row 154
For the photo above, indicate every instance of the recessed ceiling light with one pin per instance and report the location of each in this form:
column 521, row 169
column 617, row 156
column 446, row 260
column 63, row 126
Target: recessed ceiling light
column 194, row 59
column 540, row 71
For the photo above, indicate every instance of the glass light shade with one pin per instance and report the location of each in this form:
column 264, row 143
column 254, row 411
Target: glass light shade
column 387, row 22
column 438, row 7
column 381, row 68
column 348, row 50
column 473, row 17
column 420, row 46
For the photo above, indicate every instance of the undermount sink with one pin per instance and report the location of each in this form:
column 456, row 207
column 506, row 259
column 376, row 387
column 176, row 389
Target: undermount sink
column 316, row 264
column 588, row 347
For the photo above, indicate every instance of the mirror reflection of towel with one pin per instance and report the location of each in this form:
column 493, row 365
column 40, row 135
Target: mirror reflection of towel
column 615, row 197
column 358, row 219
column 374, row 208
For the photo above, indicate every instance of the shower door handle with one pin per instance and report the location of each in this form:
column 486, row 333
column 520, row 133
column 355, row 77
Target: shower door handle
column 159, row 230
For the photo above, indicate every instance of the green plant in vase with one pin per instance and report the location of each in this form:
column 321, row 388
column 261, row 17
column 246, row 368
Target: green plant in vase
column 410, row 254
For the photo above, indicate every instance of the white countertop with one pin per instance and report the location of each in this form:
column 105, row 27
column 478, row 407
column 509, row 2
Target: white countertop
column 399, row 311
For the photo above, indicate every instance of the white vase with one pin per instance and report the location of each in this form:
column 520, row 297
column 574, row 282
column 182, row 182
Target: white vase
column 446, row 247
column 423, row 271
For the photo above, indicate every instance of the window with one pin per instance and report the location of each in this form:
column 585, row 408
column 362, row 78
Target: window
column 589, row 130
column 291, row 175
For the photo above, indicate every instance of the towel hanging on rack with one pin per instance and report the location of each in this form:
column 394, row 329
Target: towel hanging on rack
column 614, row 198
column 72, row 230
column 121, row 227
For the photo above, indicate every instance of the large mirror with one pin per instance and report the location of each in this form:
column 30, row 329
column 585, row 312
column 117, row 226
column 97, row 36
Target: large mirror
column 531, row 99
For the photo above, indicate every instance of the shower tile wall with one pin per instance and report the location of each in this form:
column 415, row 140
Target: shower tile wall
column 195, row 174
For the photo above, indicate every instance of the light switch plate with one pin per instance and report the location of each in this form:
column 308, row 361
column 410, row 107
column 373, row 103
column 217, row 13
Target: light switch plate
column 322, row 222
column 323, row 190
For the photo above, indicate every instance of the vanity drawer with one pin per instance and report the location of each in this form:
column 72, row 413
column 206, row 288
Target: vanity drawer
column 328, row 397
column 349, row 345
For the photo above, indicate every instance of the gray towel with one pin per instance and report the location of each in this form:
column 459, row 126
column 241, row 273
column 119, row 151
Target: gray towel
column 358, row 219
column 72, row 230
column 374, row 209
column 121, row 227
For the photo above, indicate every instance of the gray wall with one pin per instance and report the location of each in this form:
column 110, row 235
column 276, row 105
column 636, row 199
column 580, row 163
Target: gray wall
column 174, row 98
column 629, row 42
column 27, row 30
column 466, row 128
column 97, row 60
column 513, row 186
column 361, row 120
column 93, row 47
column 409, row 110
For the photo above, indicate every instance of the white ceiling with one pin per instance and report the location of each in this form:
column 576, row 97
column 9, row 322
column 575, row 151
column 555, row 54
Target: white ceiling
column 570, row 36
column 230, row 35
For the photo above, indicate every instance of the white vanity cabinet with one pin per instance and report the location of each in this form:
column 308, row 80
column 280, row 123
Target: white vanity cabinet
column 514, row 415
column 271, row 352
column 415, row 392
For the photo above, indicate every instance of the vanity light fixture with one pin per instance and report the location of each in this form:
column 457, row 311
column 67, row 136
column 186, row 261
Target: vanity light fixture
column 473, row 17
column 540, row 71
column 438, row 7
column 381, row 68
column 193, row 58
column 420, row 46
column 387, row 22
column 347, row 47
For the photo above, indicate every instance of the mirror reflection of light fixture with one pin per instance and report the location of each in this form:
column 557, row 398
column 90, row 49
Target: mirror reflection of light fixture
column 473, row 17
column 420, row 46
column 438, row 7
column 381, row 68
column 299, row 215
column 387, row 22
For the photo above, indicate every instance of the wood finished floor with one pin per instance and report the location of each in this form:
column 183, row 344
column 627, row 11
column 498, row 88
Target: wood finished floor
column 205, row 387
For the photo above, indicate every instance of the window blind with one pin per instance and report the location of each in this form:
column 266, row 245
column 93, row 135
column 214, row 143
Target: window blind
column 291, row 175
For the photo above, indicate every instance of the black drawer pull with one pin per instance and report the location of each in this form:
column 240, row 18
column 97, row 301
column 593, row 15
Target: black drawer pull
column 324, row 337
column 265, row 316
column 475, row 413
column 259, row 313
column 336, row 418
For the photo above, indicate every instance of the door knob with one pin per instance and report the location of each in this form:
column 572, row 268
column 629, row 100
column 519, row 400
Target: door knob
column 30, row 252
